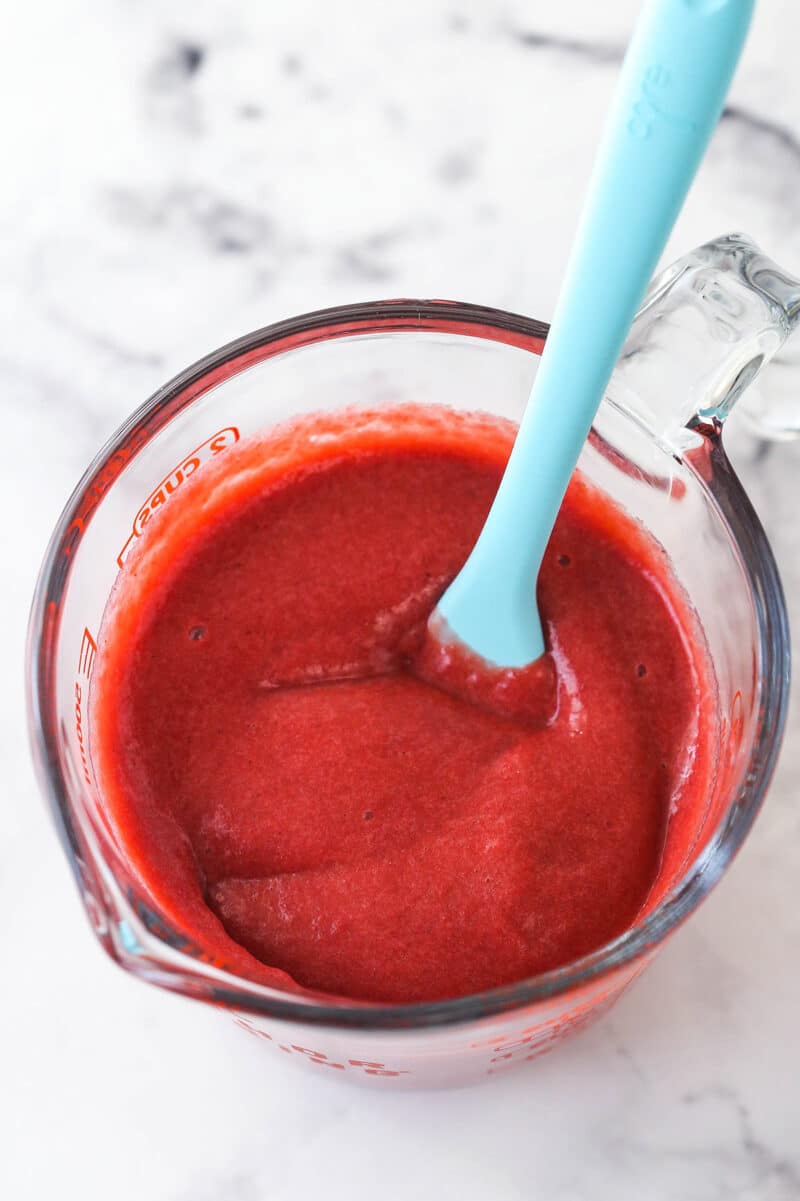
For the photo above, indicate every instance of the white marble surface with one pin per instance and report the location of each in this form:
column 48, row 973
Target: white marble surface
column 175, row 174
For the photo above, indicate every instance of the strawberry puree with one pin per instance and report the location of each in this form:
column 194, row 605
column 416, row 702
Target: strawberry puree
column 310, row 794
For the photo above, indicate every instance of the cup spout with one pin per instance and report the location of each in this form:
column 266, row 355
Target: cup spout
column 707, row 327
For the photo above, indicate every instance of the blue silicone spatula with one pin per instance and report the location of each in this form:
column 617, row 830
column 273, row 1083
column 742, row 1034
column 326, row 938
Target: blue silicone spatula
column 670, row 94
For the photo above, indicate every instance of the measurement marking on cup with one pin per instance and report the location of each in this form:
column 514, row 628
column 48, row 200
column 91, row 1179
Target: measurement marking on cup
column 505, row 1049
column 88, row 650
column 171, row 482
column 369, row 1067
column 87, row 654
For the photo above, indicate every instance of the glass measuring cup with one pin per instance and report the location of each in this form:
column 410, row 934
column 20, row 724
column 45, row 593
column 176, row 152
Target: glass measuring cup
column 706, row 328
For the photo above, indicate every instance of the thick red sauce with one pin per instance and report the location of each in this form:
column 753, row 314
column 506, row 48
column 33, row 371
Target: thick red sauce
column 302, row 804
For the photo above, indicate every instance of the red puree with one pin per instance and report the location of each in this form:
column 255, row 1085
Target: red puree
column 296, row 799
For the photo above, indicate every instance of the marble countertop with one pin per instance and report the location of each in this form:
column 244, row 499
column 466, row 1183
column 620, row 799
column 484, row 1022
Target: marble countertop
column 177, row 174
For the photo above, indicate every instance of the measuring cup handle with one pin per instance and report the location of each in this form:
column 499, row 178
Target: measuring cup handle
column 707, row 327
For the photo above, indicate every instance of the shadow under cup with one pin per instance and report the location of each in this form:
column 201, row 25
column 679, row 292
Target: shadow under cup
column 377, row 355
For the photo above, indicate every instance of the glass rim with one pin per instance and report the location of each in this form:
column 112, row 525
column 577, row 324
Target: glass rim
column 158, row 957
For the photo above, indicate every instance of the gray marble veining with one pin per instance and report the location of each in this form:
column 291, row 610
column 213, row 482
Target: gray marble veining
column 175, row 175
